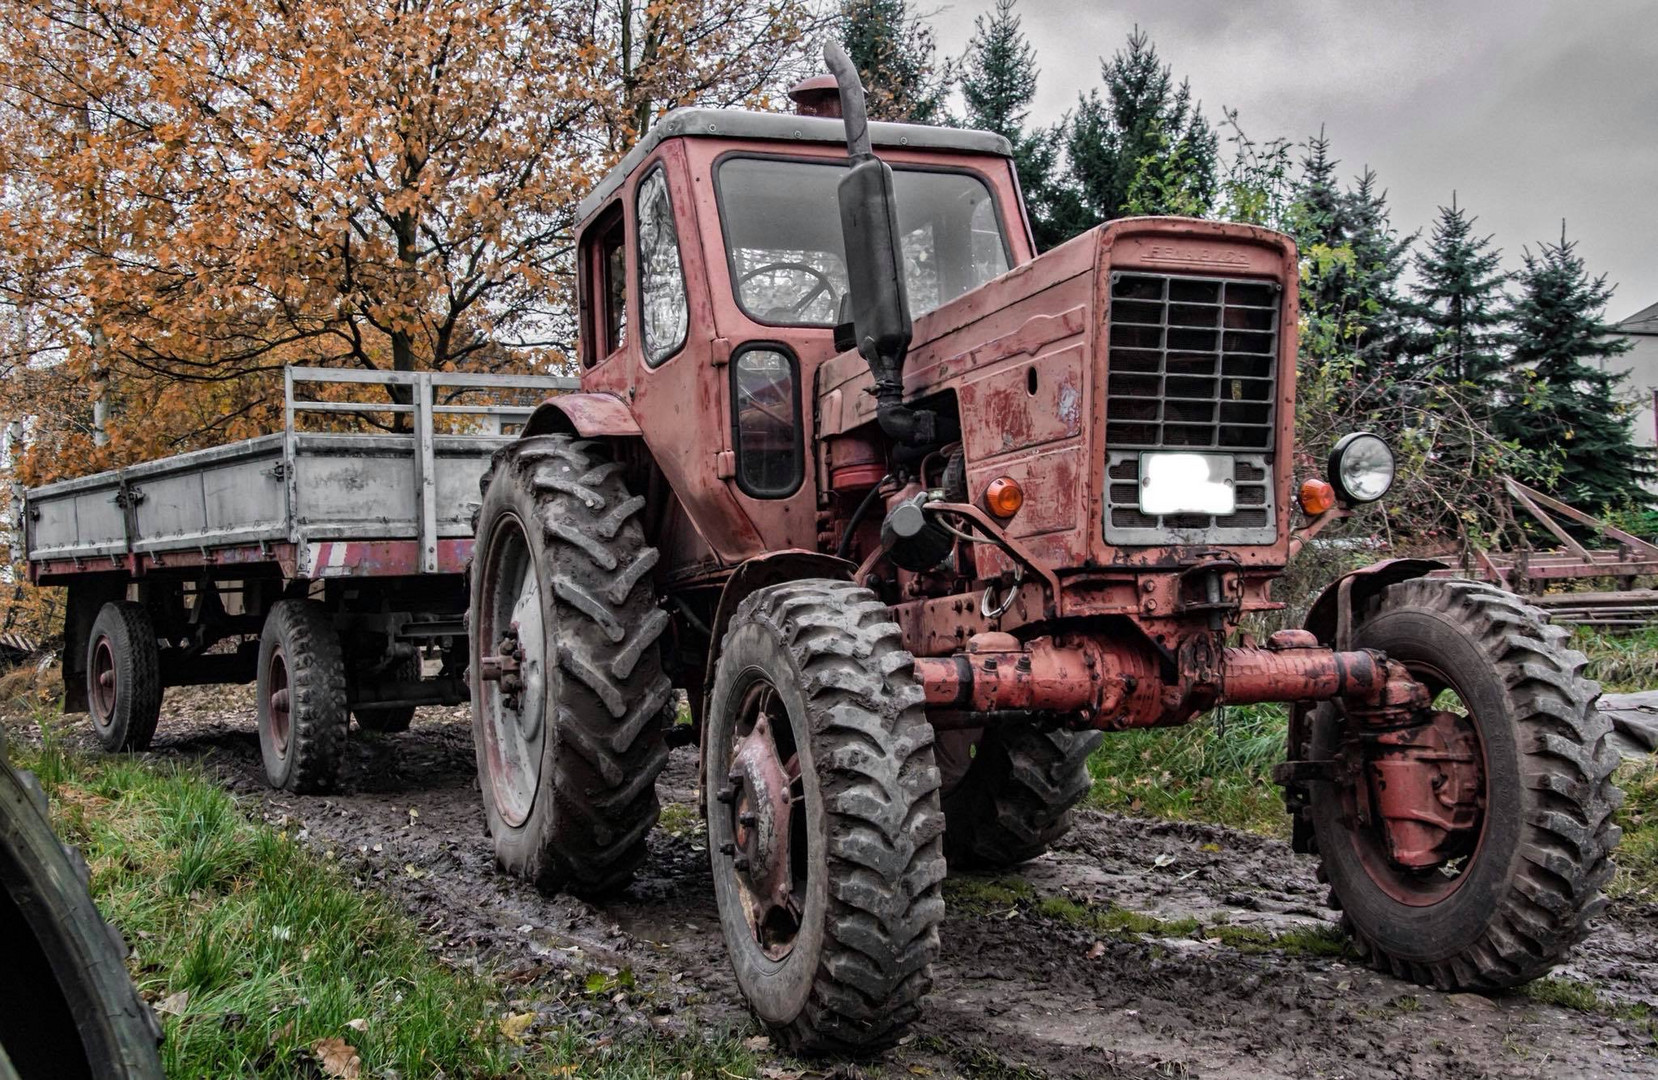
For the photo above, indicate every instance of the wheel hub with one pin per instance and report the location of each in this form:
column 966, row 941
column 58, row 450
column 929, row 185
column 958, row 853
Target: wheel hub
column 1429, row 789
column 277, row 702
column 512, row 697
column 767, row 846
column 103, row 681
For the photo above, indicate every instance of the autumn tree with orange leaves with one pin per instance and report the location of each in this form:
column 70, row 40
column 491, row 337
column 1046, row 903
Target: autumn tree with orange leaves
column 193, row 194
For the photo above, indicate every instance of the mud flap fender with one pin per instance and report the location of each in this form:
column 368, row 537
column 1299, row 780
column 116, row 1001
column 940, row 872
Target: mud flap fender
column 588, row 415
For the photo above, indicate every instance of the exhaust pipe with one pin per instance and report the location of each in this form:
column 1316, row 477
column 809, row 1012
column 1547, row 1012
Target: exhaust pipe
column 879, row 302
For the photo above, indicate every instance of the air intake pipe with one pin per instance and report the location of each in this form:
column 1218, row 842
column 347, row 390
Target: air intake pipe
column 878, row 302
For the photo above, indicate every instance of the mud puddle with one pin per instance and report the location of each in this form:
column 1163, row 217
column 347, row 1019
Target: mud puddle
column 1215, row 962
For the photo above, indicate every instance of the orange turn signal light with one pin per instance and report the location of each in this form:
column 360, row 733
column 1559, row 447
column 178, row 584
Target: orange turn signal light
column 1317, row 496
column 1003, row 497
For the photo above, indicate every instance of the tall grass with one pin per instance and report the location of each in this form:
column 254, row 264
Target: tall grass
column 263, row 947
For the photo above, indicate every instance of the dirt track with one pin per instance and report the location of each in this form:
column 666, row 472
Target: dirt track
column 1017, row 993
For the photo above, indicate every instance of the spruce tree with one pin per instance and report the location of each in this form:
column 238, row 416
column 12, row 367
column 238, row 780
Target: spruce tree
column 1459, row 304
column 1141, row 147
column 1562, row 394
column 1379, row 256
column 998, row 80
column 896, row 56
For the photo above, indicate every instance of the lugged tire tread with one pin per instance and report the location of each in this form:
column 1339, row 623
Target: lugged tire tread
column 606, row 724
column 317, row 715
column 1564, row 860
column 1017, row 796
column 873, row 748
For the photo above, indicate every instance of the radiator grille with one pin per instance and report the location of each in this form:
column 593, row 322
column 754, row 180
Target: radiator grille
column 1192, row 365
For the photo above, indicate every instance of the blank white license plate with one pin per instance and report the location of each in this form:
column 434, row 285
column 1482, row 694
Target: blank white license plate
column 1174, row 483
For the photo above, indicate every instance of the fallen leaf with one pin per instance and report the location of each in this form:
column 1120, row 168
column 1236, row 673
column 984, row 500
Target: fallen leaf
column 1162, row 860
column 516, row 1025
column 338, row 1059
column 282, row 1033
column 358, row 1024
column 921, row 1070
column 1210, row 847
column 757, row 1044
column 413, row 871
column 173, row 1004
column 564, row 1070
column 1096, row 950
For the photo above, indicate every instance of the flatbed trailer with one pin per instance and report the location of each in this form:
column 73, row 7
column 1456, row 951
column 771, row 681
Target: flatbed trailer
column 326, row 566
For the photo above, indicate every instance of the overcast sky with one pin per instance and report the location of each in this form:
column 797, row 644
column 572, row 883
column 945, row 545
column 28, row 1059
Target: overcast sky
column 1531, row 111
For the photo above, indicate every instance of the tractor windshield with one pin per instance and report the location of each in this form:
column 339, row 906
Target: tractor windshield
column 783, row 237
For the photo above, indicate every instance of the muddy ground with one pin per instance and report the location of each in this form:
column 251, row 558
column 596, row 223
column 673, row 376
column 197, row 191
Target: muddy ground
column 1017, row 994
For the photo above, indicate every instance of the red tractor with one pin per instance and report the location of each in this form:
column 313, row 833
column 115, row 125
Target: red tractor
column 913, row 515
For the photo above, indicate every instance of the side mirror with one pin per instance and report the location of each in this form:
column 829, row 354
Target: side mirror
column 880, row 309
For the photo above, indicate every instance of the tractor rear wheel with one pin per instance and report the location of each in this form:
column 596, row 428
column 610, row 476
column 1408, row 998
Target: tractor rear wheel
column 123, row 677
column 1016, row 796
column 1525, row 770
column 301, row 698
column 67, row 1004
column 567, row 685
column 824, row 826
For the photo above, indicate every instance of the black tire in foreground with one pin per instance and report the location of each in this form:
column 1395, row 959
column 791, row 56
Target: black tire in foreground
column 301, row 698
column 391, row 719
column 1522, row 883
column 1017, row 795
column 568, row 730
column 824, row 824
column 67, row 1007
column 123, row 677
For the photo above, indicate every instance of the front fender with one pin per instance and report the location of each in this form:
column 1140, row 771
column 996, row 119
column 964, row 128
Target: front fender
column 588, row 415
column 1325, row 617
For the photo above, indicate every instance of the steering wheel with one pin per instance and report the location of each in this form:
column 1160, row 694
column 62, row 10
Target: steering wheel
column 799, row 307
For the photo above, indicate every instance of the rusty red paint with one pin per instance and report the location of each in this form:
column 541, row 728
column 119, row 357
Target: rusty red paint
column 589, row 415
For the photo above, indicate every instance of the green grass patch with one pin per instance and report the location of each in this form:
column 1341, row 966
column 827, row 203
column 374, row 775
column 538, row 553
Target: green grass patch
column 1113, row 921
column 264, row 948
column 1216, row 769
column 981, row 895
column 1621, row 663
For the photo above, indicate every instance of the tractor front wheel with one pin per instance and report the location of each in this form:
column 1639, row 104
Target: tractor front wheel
column 824, row 824
column 1521, row 767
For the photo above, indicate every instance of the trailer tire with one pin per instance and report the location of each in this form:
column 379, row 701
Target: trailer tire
column 1531, row 880
column 817, row 673
column 67, row 1005
column 391, row 719
column 569, row 744
column 1017, row 795
column 302, row 698
column 123, row 677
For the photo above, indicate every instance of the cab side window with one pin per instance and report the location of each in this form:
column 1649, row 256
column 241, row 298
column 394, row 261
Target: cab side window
column 612, row 313
column 765, row 414
column 663, row 311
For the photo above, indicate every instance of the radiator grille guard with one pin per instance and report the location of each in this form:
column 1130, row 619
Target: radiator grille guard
column 1192, row 365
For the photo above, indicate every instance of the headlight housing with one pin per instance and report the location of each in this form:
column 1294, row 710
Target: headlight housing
column 1361, row 467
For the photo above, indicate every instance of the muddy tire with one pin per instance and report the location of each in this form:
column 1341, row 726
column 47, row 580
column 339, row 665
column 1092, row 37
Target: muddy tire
column 1016, row 797
column 831, row 920
column 301, row 696
column 123, row 677
column 392, row 719
column 67, row 1005
column 570, row 744
column 1532, row 875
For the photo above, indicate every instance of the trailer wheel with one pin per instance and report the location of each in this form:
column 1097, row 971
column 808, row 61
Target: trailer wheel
column 67, row 1005
column 301, row 694
column 566, row 674
column 1526, row 753
column 1017, row 795
column 824, row 824
column 123, row 677
column 391, row 719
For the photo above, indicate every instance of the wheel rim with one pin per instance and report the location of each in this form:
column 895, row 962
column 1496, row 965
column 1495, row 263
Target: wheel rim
column 764, row 840
column 513, row 707
column 103, row 682
column 1465, row 770
column 277, row 701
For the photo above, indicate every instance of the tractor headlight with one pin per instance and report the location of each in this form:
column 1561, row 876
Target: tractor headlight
column 1361, row 467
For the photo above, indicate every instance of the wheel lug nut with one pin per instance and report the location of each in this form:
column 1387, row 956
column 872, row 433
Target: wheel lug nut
column 728, row 848
column 746, row 820
column 727, row 794
column 740, row 862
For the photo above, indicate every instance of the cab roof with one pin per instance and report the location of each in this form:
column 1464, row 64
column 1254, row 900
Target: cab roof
column 785, row 127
